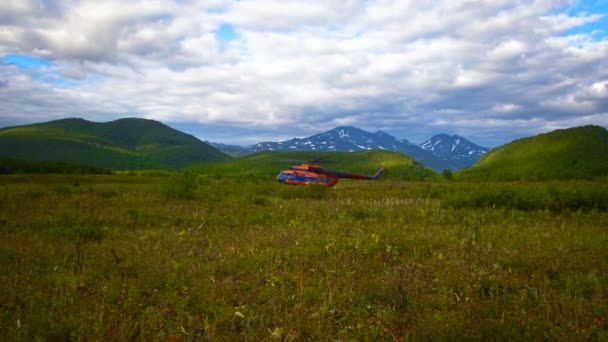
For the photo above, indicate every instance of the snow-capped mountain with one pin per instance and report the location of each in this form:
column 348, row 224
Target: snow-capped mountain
column 455, row 149
column 338, row 139
column 348, row 138
column 439, row 153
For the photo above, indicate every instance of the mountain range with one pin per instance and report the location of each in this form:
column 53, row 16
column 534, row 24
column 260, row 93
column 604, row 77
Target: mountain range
column 573, row 153
column 440, row 152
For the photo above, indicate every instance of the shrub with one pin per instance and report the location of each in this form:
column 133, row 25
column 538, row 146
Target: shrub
column 181, row 187
column 447, row 174
column 559, row 196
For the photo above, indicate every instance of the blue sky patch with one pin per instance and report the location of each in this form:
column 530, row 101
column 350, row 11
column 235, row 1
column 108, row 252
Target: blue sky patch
column 25, row 62
column 39, row 69
column 225, row 34
column 597, row 29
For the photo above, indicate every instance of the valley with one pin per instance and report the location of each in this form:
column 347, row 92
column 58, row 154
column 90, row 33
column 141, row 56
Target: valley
column 183, row 257
column 221, row 251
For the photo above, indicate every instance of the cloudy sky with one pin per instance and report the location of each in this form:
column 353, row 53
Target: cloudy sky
column 246, row 71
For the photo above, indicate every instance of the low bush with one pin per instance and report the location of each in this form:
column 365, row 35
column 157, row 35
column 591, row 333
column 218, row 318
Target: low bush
column 181, row 187
column 558, row 196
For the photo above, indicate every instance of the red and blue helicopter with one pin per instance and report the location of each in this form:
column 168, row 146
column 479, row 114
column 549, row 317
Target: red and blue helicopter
column 306, row 174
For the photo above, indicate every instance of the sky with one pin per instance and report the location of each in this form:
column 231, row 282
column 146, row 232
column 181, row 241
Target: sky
column 241, row 72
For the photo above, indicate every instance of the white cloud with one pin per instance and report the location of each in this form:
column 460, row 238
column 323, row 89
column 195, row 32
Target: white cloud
column 506, row 108
column 600, row 89
column 563, row 22
column 508, row 49
column 374, row 64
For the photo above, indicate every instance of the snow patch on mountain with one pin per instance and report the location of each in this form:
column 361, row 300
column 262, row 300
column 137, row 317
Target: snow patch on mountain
column 440, row 152
column 454, row 148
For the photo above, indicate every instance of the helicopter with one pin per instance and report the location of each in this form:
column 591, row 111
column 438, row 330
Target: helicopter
column 306, row 174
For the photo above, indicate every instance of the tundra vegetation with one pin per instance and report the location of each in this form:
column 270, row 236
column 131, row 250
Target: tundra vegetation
column 207, row 256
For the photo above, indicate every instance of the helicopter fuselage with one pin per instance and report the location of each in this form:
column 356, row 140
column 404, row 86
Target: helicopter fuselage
column 306, row 174
column 301, row 175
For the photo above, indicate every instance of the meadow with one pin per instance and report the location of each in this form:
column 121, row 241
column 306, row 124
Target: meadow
column 186, row 257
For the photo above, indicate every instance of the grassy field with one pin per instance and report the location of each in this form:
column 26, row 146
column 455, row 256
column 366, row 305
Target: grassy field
column 193, row 257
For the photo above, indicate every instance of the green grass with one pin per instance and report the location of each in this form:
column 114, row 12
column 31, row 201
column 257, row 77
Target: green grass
column 122, row 257
column 574, row 153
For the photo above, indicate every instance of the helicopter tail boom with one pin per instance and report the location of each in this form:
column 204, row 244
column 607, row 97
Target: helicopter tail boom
column 345, row 174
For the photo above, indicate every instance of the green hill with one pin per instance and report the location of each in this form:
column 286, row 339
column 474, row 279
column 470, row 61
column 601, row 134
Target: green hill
column 574, row 153
column 122, row 144
column 269, row 164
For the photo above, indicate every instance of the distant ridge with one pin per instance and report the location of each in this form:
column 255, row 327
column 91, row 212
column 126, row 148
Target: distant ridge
column 231, row 150
column 129, row 143
column 350, row 139
column 574, row 153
